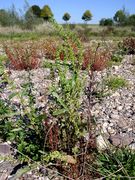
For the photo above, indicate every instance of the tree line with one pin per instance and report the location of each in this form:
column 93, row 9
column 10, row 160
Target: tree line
column 121, row 18
column 35, row 15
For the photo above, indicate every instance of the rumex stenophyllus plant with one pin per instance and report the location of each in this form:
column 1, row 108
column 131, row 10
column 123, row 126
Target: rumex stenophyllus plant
column 22, row 56
column 96, row 59
column 68, row 130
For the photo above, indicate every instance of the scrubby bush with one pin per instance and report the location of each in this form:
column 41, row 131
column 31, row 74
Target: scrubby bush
column 106, row 22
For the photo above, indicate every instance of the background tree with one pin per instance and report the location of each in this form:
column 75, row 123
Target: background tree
column 46, row 13
column 4, row 18
column 87, row 16
column 106, row 22
column 120, row 17
column 131, row 20
column 9, row 17
column 36, row 10
column 66, row 17
column 31, row 20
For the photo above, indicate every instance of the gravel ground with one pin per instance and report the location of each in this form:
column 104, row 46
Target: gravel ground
column 114, row 114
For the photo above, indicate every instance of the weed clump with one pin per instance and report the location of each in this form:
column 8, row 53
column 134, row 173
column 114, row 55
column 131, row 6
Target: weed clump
column 116, row 164
column 96, row 60
column 115, row 82
column 22, row 56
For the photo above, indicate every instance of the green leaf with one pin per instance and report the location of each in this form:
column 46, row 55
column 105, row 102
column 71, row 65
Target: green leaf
column 59, row 112
column 16, row 129
column 12, row 95
column 42, row 117
column 60, row 100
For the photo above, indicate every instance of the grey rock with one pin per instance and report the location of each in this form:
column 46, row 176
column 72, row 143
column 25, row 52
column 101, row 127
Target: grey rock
column 122, row 123
column 114, row 116
column 5, row 149
column 121, row 141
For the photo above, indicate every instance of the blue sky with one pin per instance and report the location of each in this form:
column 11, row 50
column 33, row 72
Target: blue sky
column 99, row 8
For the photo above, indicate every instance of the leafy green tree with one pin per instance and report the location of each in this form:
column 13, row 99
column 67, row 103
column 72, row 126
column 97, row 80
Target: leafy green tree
column 30, row 19
column 46, row 13
column 106, row 22
column 131, row 20
column 36, row 10
column 66, row 17
column 120, row 17
column 87, row 16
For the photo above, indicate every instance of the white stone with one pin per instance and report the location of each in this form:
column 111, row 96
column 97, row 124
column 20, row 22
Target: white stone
column 104, row 127
column 102, row 143
column 132, row 146
column 119, row 108
column 111, row 131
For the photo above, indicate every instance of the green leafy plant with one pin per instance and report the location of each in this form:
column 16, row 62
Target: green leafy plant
column 117, row 58
column 114, row 82
column 116, row 164
column 24, row 129
column 66, row 133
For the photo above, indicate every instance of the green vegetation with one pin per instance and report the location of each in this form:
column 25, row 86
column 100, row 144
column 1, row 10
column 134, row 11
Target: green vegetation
column 120, row 17
column 114, row 82
column 131, row 20
column 46, row 13
column 27, row 132
column 66, row 17
column 117, row 164
column 87, row 16
column 106, row 22
column 36, row 10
